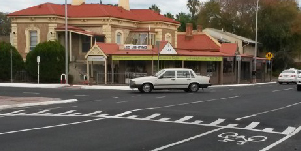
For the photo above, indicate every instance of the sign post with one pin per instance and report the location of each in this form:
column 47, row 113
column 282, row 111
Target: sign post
column 158, row 45
column 238, row 59
column 269, row 56
column 38, row 60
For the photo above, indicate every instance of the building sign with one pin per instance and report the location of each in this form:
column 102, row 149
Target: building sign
column 96, row 58
column 168, row 50
column 135, row 47
column 176, row 58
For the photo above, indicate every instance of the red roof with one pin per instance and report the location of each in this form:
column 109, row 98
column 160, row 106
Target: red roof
column 229, row 48
column 93, row 10
column 200, row 42
column 76, row 29
column 200, row 53
column 108, row 48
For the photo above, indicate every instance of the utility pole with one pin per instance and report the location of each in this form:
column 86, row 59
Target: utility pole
column 11, row 65
column 66, row 40
column 256, row 44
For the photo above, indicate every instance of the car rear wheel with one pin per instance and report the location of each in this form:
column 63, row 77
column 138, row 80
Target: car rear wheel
column 147, row 88
column 298, row 87
column 194, row 87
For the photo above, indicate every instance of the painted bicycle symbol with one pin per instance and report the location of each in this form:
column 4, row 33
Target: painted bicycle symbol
column 240, row 139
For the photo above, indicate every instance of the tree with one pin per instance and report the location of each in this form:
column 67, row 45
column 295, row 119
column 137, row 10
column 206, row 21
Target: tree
column 4, row 25
column 5, row 61
column 183, row 19
column 52, row 64
column 169, row 15
column 155, row 8
column 210, row 15
column 193, row 6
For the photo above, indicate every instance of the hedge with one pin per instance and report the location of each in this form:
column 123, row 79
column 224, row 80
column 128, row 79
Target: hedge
column 52, row 64
column 5, row 61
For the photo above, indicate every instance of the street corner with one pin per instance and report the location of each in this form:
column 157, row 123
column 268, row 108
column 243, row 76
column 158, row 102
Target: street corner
column 17, row 102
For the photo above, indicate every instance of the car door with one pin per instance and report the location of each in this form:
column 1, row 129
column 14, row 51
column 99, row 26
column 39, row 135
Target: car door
column 166, row 81
column 183, row 78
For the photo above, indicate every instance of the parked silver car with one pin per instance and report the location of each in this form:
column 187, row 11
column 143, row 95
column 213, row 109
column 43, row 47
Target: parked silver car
column 184, row 79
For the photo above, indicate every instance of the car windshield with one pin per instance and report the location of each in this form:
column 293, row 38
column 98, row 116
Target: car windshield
column 288, row 71
column 159, row 73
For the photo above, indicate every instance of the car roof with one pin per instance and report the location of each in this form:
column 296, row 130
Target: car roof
column 176, row 69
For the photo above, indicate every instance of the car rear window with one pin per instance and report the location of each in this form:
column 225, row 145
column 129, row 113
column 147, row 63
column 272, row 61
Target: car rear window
column 288, row 71
column 183, row 74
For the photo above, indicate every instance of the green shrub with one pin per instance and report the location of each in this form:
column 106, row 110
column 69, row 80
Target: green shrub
column 5, row 61
column 52, row 64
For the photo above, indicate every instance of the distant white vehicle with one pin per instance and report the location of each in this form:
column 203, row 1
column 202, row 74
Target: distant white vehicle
column 299, row 81
column 184, row 79
column 288, row 76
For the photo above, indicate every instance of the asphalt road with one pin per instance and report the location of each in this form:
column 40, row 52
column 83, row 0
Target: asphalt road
column 251, row 118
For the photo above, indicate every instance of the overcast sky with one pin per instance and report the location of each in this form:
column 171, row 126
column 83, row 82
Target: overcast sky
column 173, row 6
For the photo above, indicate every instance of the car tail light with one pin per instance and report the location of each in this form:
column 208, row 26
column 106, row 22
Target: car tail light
column 280, row 75
column 293, row 76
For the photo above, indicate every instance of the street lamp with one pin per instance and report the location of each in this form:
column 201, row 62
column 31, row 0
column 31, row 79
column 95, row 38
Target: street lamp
column 256, row 44
column 66, row 40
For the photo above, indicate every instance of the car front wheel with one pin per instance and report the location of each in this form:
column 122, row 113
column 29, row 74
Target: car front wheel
column 194, row 87
column 147, row 88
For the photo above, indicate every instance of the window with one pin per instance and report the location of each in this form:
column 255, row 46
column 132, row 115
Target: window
column 169, row 74
column 119, row 38
column 192, row 75
column 168, row 37
column 183, row 74
column 86, row 43
column 33, row 39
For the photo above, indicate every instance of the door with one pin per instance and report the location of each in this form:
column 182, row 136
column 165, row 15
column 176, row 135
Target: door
column 166, row 81
column 183, row 79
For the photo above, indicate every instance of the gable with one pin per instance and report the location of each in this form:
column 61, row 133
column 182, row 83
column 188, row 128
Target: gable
column 168, row 50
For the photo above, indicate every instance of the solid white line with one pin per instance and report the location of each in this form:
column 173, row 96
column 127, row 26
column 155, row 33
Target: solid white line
column 184, row 119
column 265, row 112
column 186, row 140
column 282, row 140
column 252, row 125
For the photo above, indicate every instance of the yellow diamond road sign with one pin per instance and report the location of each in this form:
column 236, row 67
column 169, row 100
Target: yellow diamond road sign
column 269, row 56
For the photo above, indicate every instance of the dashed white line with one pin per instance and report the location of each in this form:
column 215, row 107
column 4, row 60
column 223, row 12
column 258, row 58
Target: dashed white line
column 122, row 102
column 31, row 93
column 187, row 140
column 282, row 140
column 265, row 112
column 288, row 89
column 160, row 97
column 275, row 91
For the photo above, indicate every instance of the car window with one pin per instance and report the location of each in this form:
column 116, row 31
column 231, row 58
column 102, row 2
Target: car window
column 183, row 74
column 169, row 74
column 288, row 71
column 299, row 71
column 192, row 75
column 159, row 73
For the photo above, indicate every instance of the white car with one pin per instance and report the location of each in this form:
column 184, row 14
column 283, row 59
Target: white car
column 299, row 81
column 288, row 76
column 184, row 79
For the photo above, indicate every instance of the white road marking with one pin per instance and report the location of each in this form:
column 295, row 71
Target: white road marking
column 268, row 130
column 187, row 140
column 152, row 116
column 41, row 112
column 122, row 102
column 16, row 112
column 164, row 119
column 184, row 119
column 31, row 93
column 122, row 114
column 115, row 97
column 96, row 112
column 252, row 125
column 282, row 140
column 197, row 122
column 53, row 126
column 81, row 95
column 160, row 97
column 223, row 98
column 288, row 89
column 289, row 130
column 68, row 112
column 275, row 91
column 265, row 112
column 218, row 121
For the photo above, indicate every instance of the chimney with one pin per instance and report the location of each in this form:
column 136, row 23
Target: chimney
column 77, row 2
column 199, row 28
column 124, row 4
column 189, row 28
